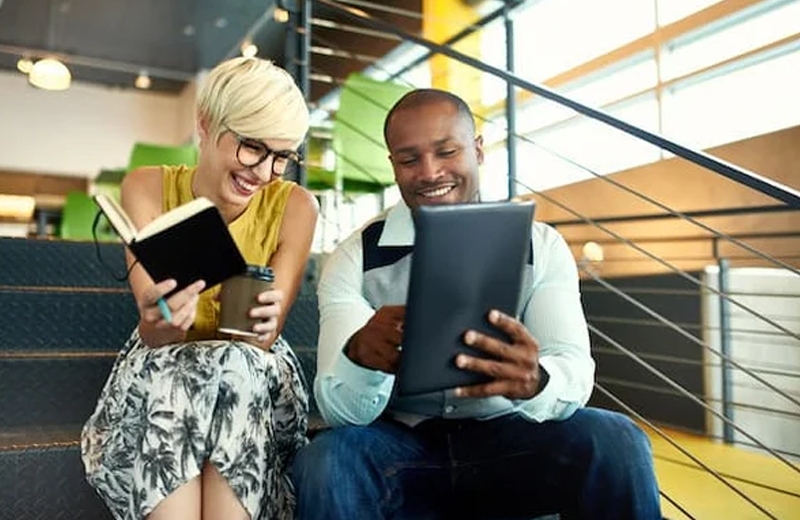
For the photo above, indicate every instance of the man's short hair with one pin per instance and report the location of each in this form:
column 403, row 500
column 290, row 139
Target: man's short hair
column 419, row 97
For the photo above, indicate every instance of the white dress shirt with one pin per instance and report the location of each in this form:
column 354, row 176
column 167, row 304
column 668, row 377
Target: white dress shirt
column 347, row 393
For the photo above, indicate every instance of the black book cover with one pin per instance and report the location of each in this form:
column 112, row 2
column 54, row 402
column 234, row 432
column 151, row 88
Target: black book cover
column 198, row 248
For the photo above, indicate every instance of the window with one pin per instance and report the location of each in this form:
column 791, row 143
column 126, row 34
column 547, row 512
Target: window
column 493, row 52
column 553, row 36
column 605, row 86
column 760, row 25
column 672, row 10
column 592, row 144
column 745, row 102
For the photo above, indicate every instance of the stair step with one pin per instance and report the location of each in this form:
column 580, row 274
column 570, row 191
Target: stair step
column 50, row 391
column 65, row 321
column 56, row 263
column 47, row 484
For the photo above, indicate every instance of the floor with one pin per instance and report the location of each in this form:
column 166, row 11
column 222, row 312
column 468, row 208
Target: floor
column 772, row 484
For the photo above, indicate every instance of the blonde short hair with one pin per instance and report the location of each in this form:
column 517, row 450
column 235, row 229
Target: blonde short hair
column 254, row 98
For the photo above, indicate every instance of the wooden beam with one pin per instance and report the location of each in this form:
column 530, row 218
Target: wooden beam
column 22, row 183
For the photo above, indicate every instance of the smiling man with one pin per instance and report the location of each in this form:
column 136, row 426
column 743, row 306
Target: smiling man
column 519, row 446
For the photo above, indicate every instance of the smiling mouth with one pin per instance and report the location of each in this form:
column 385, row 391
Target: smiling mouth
column 245, row 186
column 433, row 193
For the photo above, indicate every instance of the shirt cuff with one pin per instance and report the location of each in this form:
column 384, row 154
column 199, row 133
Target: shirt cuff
column 355, row 376
column 542, row 407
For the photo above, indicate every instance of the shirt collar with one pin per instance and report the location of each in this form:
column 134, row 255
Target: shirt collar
column 398, row 229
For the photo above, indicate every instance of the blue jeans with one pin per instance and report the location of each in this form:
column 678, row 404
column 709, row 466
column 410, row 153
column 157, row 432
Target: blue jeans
column 597, row 464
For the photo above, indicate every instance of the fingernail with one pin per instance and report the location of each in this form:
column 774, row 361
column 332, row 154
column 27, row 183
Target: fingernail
column 459, row 392
column 460, row 361
column 469, row 337
column 494, row 316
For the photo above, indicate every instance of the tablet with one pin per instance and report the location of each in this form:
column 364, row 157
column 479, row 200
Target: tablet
column 468, row 259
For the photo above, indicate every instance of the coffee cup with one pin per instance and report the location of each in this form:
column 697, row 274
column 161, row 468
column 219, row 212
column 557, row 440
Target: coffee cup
column 238, row 295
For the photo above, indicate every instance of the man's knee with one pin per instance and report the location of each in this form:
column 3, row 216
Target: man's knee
column 333, row 456
column 610, row 433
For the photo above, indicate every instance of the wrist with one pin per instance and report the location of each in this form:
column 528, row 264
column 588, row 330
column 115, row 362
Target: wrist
column 543, row 379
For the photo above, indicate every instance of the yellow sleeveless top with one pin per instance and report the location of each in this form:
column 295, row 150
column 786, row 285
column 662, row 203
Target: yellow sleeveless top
column 255, row 231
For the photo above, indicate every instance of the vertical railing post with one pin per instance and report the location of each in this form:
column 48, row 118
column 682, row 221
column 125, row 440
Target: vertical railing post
column 304, row 70
column 511, row 103
column 292, row 40
column 723, row 274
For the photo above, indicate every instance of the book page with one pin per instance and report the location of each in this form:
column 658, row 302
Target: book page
column 173, row 216
column 117, row 217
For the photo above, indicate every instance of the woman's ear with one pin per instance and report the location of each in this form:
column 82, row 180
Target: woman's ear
column 202, row 128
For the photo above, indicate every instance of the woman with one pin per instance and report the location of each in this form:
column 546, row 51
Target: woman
column 191, row 425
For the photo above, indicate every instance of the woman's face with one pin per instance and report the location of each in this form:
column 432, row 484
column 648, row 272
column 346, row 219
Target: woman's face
column 240, row 166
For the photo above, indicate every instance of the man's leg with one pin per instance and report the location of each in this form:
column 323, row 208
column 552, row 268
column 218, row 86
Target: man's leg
column 384, row 470
column 597, row 464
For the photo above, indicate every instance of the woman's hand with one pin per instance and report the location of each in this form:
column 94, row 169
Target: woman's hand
column 182, row 306
column 267, row 310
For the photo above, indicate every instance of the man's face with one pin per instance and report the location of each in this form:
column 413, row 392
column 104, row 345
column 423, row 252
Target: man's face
column 435, row 154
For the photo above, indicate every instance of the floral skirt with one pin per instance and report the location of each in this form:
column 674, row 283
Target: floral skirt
column 166, row 411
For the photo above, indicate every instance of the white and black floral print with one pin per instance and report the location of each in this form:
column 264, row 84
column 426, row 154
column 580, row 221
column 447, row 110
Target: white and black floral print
column 165, row 411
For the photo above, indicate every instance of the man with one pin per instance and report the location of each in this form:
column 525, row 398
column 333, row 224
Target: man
column 519, row 446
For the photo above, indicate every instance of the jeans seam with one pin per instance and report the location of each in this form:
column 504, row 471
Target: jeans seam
column 394, row 470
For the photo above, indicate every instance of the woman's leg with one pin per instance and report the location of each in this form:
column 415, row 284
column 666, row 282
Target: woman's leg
column 219, row 500
column 183, row 503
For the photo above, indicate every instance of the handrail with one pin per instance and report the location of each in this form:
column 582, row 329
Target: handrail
column 750, row 179
column 688, row 216
column 722, row 212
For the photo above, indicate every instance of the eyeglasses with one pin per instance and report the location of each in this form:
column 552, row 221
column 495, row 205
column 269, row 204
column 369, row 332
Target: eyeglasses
column 252, row 152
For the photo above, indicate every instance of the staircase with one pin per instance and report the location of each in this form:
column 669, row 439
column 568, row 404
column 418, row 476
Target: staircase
column 64, row 320
column 694, row 315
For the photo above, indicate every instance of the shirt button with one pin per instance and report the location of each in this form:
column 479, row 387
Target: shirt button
column 449, row 408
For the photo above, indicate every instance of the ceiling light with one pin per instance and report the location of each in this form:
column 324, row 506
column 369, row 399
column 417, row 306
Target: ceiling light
column 142, row 80
column 24, row 65
column 50, row 74
column 249, row 50
column 17, row 206
column 221, row 22
column 280, row 15
column 188, row 30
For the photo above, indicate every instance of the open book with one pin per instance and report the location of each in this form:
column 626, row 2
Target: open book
column 188, row 243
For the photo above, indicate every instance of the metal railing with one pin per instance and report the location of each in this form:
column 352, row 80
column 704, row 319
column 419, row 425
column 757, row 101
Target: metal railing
column 727, row 316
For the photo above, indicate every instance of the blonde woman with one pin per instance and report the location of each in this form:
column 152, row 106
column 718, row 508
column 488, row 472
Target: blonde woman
column 191, row 425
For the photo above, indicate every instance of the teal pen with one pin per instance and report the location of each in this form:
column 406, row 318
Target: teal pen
column 164, row 308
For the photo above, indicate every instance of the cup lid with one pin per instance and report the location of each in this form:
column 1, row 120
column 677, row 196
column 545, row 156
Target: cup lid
column 261, row 272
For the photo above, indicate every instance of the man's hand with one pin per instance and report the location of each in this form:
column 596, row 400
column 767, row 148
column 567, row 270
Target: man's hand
column 514, row 368
column 375, row 345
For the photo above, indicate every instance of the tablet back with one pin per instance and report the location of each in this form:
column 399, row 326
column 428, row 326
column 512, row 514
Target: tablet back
column 468, row 259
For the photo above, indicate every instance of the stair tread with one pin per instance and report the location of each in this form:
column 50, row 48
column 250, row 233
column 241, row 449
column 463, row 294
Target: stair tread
column 26, row 437
column 50, row 436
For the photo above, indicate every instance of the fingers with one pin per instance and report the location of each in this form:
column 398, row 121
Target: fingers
column 384, row 357
column 181, row 304
column 485, row 390
column 492, row 346
column 490, row 367
column 268, row 313
column 510, row 325
column 155, row 292
column 270, row 296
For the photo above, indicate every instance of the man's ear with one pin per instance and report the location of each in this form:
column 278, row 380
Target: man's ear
column 479, row 148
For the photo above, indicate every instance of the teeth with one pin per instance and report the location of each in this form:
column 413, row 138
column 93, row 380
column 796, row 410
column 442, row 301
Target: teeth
column 437, row 193
column 244, row 184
